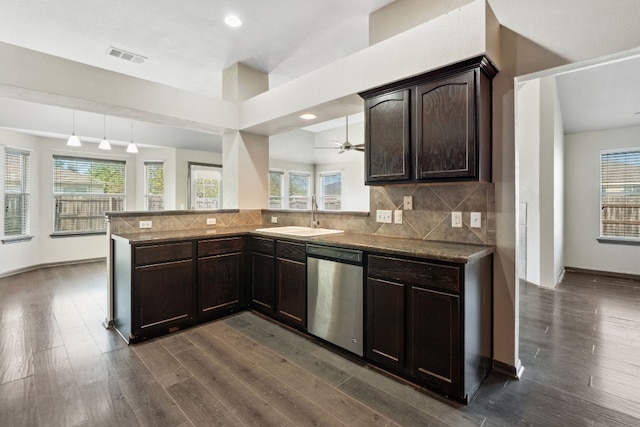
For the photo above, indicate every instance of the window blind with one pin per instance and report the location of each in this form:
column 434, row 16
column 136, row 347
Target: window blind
column 17, row 189
column 331, row 190
column 83, row 190
column 154, row 186
column 298, row 190
column 620, row 194
column 276, row 189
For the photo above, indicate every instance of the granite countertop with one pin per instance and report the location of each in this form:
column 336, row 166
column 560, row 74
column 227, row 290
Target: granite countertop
column 442, row 251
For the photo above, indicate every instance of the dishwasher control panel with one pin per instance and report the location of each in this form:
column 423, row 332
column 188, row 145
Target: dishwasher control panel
column 340, row 254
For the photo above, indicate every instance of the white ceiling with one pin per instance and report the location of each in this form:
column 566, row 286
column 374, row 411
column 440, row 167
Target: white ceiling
column 187, row 43
column 188, row 46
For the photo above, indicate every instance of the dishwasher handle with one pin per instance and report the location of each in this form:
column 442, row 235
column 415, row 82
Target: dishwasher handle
column 350, row 256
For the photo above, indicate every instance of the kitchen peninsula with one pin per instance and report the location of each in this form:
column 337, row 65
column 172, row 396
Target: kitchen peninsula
column 426, row 305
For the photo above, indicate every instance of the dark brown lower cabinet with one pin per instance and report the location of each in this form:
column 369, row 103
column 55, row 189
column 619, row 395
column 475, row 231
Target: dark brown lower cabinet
column 220, row 276
column 262, row 274
column 434, row 319
column 291, row 283
column 154, row 288
column 430, row 321
column 386, row 323
column 163, row 295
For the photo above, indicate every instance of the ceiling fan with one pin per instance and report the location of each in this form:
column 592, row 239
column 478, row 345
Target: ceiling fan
column 346, row 145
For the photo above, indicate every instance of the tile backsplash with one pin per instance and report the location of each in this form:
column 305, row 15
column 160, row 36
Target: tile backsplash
column 127, row 222
column 430, row 218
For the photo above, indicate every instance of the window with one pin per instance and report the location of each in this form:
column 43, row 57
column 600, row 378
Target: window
column 298, row 190
column 331, row 191
column 276, row 189
column 17, row 188
column 620, row 194
column 154, row 186
column 205, row 186
column 83, row 190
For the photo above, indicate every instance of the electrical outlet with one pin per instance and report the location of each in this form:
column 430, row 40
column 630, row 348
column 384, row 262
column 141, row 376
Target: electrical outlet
column 456, row 219
column 397, row 216
column 476, row 219
column 407, row 203
column 383, row 216
column 211, row 221
column 144, row 224
column 274, row 220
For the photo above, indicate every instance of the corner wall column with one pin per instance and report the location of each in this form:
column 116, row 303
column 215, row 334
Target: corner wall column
column 245, row 156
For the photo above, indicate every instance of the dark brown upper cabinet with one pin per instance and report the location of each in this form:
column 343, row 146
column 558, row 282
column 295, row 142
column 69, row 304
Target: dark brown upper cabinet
column 431, row 128
column 388, row 137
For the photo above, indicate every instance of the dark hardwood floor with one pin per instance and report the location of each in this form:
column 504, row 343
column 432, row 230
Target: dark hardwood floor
column 580, row 345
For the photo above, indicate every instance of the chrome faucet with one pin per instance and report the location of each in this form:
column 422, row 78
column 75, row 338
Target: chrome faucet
column 314, row 209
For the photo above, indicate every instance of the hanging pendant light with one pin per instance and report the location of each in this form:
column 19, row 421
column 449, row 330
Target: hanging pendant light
column 104, row 144
column 73, row 140
column 132, row 148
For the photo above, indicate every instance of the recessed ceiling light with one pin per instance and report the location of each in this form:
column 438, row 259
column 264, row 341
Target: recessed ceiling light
column 308, row 116
column 232, row 21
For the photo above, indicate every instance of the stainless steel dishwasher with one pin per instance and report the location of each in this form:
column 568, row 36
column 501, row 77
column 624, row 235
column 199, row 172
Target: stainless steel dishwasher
column 334, row 296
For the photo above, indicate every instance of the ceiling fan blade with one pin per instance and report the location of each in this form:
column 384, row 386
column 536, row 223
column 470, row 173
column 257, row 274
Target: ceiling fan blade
column 337, row 142
column 327, row 148
column 359, row 147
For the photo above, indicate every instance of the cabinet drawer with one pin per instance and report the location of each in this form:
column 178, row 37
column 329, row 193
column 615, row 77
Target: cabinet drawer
column 154, row 254
column 219, row 246
column 262, row 245
column 290, row 250
column 415, row 272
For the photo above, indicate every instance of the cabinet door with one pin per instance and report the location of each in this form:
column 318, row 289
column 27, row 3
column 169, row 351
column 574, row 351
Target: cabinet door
column 291, row 306
column 262, row 277
column 446, row 140
column 435, row 339
column 388, row 137
column 163, row 294
column 385, row 323
column 219, row 282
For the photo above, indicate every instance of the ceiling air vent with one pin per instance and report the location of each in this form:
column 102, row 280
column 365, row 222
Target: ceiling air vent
column 127, row 56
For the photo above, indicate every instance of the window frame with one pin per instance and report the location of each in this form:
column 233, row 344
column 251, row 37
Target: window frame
column 93, row 196
column 306, row 196
column 147, row 193
column 24, row 194
column 605, row 237
column 191, row 191
column 323, row 195
column 281, row 197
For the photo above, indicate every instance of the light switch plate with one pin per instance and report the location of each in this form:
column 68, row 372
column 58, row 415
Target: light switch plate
column 407, row 203
column 397, row 216
column 476, row 219
column 211, row 221
column 456, row 219
column 274, row 220
column 144, row 224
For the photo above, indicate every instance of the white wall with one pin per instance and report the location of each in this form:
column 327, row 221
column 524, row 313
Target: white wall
column 355, row 195
column 43, row 249
column 528, row 135
column 558, row 186
column 183, row 157
column 540, row 176
column 582, row 208
column 168, row 157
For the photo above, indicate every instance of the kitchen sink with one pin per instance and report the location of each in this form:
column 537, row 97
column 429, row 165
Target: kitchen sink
column 299, row 231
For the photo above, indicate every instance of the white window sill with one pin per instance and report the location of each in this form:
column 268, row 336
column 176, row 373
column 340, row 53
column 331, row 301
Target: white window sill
column 619, row 241
column 16, row 239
